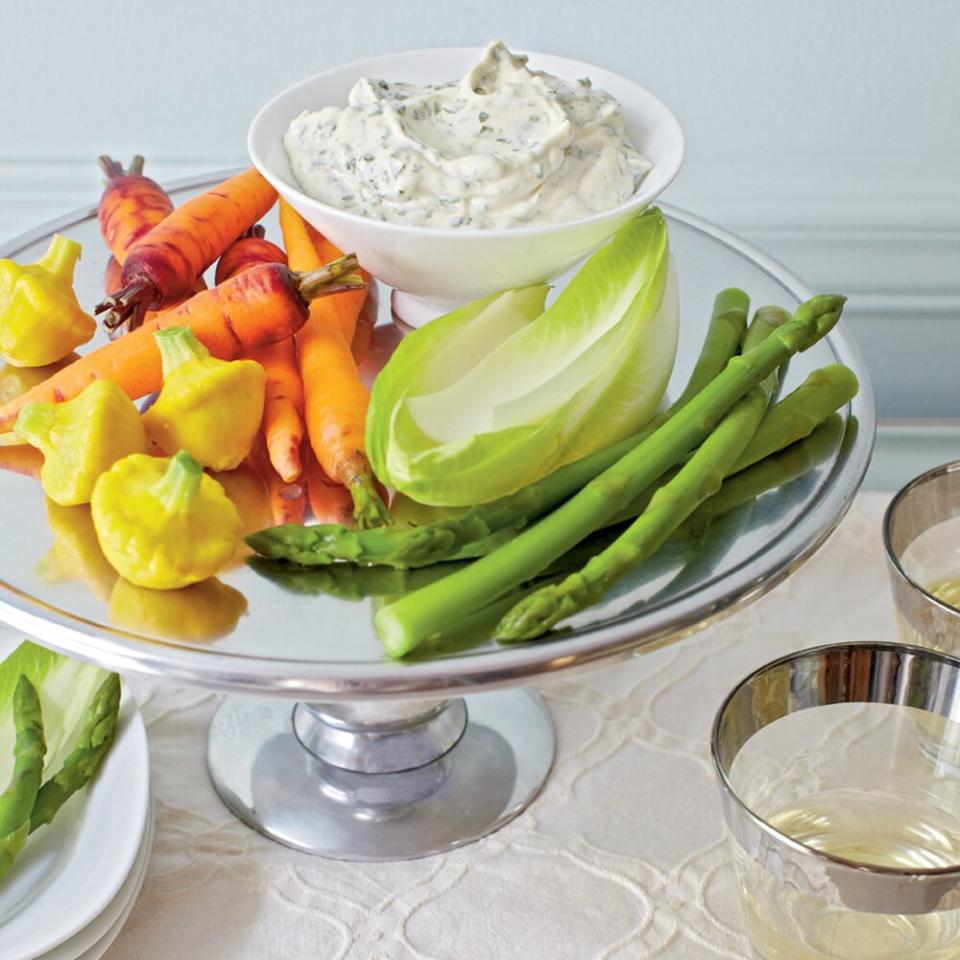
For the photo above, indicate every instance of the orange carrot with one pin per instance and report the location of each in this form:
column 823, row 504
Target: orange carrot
column 330, row 502
column 21, row 459
column 165, row 264
column 130, row 207
column 111, row 276
column 111, row 279
column 283, row 402
column 288, row 501
column 335, row 401
column 346, row 308
column 261, row 306
column 363, row 334
column 247, row 251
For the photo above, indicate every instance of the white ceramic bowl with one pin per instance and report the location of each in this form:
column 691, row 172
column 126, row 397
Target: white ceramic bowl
column 431, row 268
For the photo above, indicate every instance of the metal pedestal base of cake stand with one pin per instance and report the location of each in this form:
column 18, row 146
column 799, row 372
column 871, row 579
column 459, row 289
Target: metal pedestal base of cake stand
column 390, row 780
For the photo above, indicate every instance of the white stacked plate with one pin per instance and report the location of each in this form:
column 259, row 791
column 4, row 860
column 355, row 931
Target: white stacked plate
column 72, row 888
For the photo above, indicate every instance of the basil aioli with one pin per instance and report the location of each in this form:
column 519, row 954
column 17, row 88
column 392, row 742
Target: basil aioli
column 505, row 146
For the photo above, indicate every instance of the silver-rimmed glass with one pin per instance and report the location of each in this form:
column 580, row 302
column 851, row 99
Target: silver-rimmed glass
column 921, row 534
column 844, row 823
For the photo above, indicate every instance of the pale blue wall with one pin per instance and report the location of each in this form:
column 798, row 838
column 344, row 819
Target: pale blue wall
column 828, row 131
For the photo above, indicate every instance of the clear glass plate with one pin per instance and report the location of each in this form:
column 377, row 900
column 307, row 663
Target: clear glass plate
column 324, row 647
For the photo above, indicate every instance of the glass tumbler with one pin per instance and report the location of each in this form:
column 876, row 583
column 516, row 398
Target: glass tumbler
column 921, row 534
column 844, row 823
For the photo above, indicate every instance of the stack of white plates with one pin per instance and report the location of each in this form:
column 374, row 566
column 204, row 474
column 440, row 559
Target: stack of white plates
column 73, row 887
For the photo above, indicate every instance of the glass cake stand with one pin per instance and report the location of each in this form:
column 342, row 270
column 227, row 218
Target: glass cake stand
column 336, row 749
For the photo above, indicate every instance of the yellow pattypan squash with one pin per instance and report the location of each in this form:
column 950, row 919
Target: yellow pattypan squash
column 211, row 408
column 163, row 523
column 41, row 320
column 81, row 438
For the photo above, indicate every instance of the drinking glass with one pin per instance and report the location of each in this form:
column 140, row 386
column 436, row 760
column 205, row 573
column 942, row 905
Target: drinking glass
column 844, row 824
column 921, row 533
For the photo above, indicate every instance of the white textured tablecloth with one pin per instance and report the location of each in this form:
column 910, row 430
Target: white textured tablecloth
column 621, row 856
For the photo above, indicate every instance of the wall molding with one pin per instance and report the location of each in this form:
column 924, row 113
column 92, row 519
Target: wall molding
column 887, row 236
column 893, row 239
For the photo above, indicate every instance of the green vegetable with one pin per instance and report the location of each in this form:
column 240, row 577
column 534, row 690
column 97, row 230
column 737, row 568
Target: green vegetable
column 413, row 619
column 768, row 474
column 66, row 688
column 96, row 737
column 700, row 477
column 786, row 422
column 713, row 527
column 17, row 800
column 800, row 412
column 483, row 402
column 483, row 528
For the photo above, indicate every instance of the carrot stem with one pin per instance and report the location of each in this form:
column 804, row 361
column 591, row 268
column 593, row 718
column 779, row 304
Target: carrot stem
column 128, row 303
column 311, row 283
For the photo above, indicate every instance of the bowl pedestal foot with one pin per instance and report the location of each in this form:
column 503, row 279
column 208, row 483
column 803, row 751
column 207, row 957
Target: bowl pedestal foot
column 410, row 312
column 380, row 780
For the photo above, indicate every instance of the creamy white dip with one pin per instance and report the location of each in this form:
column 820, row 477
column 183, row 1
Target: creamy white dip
column 505, row 146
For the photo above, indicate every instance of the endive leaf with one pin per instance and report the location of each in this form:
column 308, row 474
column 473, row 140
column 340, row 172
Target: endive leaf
column 482, row 402
column 65, row 686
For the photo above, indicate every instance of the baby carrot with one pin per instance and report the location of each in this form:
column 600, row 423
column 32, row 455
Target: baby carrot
column 261, row 306
column 288, row 501
column 111, row 280
column 283, row 403
column 330, row 502
column 111, row 276
column 335, row 401
column 165, row 264
column 130, row 207
column 247, row 251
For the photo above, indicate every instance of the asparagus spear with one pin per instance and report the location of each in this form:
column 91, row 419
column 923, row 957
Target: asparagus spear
column 414, row 618
column 475, row 533
column 797, row 414
column 785, row 423
column 17, row 800
column 768, row 474
column 699, row 478
column 96, row 736
column 743, row 489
